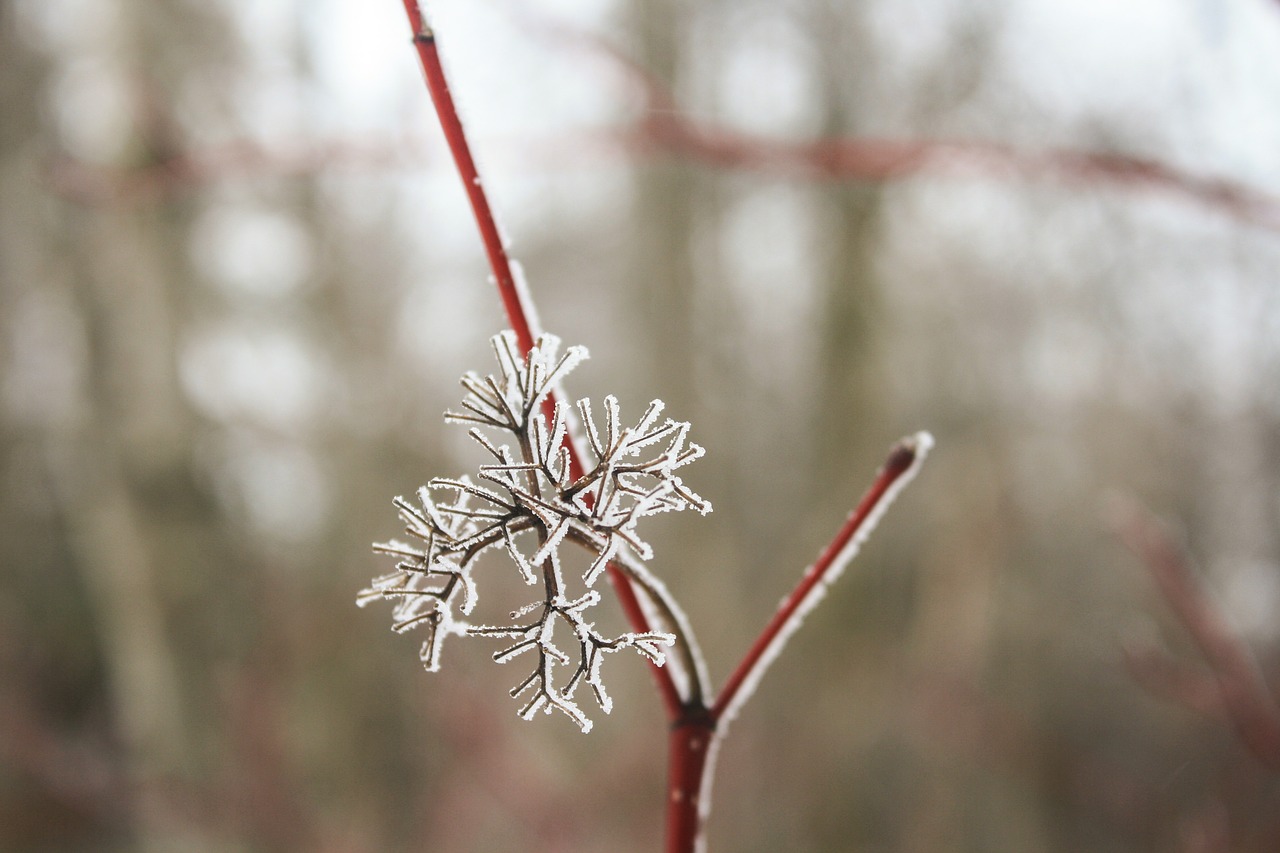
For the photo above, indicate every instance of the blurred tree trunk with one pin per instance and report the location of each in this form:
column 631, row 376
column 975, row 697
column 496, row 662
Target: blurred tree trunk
column 139, row 524
column 39, row 268
column 848, row 385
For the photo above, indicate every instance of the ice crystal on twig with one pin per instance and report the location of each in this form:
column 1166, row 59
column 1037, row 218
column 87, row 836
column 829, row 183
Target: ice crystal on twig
column 528, row 502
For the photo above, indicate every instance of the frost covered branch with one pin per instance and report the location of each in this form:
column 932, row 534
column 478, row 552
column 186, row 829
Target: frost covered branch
column 527, row 502
column 898, row 470
column 545, row 487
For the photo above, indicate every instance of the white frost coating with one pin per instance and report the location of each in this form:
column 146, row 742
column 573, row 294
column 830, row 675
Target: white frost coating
column 601, row 562
column 522, row 295
column 518, row 557
column 704, row 787
column 455, row 520
column 660, row 608
column 920, row 443
column 553, row 542
column 551, row 374
column 589, row 427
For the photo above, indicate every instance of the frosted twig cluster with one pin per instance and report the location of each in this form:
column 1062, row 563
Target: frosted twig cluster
column 528, row 502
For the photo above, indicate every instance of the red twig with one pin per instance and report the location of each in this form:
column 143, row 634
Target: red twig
column 690, row 752
column 515, row 300
column 902, row 460
column 833, row 159
column 665, row 126
column 693, row 740
column 1241, row 692
column 191, row 168
column 518, row 312
column 625, row 590
column 882, row 160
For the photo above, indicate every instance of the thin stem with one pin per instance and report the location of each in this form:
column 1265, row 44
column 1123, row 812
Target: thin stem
column 625, row 590
column 515, row 302
column 678, row 623
column 425, row 42
column 902, row 461
column 691, row 747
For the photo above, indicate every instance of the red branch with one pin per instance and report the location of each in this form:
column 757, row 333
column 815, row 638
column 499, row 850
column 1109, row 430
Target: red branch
column 901, row 460
column 834, row 159
column 514, row 299
column 690, row 750
column 882, row 160
column 664, row 127
column 1241, row 692
column 425, row 41
column 626, row 592
column 692, row 741
column 191, row 168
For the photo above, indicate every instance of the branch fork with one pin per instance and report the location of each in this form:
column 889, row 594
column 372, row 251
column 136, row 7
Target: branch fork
column 545, row 486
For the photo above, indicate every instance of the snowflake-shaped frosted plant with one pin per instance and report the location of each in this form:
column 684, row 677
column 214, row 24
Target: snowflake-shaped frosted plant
column 528, row 503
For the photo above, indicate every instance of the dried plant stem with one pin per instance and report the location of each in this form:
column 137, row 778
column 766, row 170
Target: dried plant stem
column 624, row 589
column 691, row 747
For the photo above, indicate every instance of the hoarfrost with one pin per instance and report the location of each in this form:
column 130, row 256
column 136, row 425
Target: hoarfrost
column 522, row 293
column 455, row 520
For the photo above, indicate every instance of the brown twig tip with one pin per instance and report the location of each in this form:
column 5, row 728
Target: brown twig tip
column 908, row 452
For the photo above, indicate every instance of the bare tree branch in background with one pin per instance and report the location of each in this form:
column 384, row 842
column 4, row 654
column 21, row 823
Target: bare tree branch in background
column 662, row 127
column 1233, row 688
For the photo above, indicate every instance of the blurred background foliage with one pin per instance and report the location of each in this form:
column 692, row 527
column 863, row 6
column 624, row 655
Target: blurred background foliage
column 238, row 283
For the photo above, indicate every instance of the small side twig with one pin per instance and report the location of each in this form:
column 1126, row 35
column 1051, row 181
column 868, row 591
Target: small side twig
column 1233, row 687
column 903, row 462
column 695, row 739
